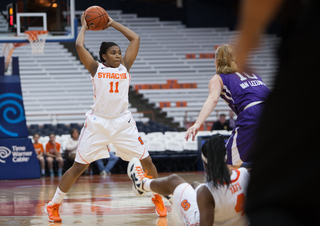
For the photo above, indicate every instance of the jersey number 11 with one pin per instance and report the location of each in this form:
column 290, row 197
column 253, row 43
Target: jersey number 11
column 111, row 87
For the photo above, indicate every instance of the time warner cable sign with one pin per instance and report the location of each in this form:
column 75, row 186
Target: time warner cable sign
column 19, row 154
column 18, row 160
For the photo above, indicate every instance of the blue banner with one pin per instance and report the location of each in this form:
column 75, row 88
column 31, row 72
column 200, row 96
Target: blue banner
column 12, row 114
column 18, row 159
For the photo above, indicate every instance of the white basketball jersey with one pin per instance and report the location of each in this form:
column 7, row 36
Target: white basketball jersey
column 229, row 202
column 110, row 87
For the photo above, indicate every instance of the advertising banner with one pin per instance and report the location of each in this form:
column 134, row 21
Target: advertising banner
column 12, row 115
column 18, row 159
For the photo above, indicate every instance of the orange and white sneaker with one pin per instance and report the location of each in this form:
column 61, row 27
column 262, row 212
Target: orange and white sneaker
column 138, row 176
column 52, row 210
column 161, row 210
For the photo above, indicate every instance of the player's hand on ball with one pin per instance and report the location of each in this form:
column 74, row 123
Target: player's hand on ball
column 109, row 23
column 83, row 20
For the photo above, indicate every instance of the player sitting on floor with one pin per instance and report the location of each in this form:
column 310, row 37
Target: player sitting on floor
column 220, row 199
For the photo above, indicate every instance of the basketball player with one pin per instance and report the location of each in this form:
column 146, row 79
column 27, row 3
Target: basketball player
column 245, row 94
column 219, row 200
column 109, row 121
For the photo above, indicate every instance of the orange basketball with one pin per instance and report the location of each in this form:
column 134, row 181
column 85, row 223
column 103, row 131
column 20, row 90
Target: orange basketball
column 97, row 18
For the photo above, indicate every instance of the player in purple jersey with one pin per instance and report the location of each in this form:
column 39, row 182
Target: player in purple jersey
column 244, row 93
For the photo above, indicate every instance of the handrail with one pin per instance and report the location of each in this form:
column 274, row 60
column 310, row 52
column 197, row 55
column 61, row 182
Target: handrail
column 204, row 123
column 54, row 117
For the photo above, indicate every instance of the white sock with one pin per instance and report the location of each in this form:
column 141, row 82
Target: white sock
column 146, row 185
column 58, row 196
column 43, row 171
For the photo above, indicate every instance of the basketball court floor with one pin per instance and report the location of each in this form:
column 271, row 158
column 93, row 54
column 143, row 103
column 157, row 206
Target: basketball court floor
column 93, row 200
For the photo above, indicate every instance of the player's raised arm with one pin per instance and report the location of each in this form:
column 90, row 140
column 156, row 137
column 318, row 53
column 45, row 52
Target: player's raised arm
column 215, row 88
column 85, row 57
column 133, row 47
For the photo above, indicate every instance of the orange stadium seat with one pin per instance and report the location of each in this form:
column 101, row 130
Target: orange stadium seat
column 181, row 104
column 164, row 104
column 190, row 56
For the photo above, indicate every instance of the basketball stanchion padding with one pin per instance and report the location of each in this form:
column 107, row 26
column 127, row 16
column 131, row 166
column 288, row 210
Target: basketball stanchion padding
column 37, row 39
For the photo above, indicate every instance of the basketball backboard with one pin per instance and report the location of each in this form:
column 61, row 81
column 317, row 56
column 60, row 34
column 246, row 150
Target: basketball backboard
column 55, row 16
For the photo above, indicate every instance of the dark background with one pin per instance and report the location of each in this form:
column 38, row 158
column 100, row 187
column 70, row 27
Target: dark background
column 194, row 13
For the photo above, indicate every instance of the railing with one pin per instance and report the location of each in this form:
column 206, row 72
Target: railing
column 54, row 118
column 189, row 123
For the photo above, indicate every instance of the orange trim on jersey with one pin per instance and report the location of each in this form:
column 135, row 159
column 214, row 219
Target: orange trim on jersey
column 185, row 216
column 83, row 159
column 238, row 175
column 80, row 141
column 144, row 151
column 183, row 191
column 129, row 81
column 79, row 145
column 84, row 129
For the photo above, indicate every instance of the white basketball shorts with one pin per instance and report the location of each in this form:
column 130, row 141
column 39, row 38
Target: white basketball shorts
column 185, row 208
column 98, row 132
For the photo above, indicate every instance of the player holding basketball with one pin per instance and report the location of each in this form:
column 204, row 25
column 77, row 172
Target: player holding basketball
column 109, row 121
column 220, row 199
column 245, row 94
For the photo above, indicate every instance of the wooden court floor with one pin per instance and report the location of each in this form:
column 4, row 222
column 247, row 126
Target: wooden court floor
column 93, row 200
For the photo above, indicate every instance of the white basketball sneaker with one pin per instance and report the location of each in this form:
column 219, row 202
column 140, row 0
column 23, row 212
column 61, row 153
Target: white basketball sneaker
column 137, row 175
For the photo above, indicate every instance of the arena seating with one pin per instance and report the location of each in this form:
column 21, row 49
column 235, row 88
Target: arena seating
column 57, row 88
column 163, row 56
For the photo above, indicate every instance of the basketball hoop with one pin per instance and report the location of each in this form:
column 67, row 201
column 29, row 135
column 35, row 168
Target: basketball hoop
column 37, row 40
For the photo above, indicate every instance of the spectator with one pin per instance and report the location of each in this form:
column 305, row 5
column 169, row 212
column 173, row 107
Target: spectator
column 53, row 153
column 231, row 121
column 72, row 144
column 112, row 160
column 221, row 124
column 38, row 147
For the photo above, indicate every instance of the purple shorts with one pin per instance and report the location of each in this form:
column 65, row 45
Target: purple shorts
column 240, row 144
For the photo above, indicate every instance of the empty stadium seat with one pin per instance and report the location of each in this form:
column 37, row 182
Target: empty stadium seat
column 162, row 56
column 174, row 145
column 156, row 146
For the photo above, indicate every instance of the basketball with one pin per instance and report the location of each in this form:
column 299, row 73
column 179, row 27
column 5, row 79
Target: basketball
column 96, row 18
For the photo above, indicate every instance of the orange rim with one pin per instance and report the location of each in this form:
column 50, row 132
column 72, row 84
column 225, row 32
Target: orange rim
column 33, row 35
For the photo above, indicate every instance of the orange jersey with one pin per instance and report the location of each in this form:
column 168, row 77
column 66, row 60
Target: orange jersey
column 50, row 148
column 38, row 148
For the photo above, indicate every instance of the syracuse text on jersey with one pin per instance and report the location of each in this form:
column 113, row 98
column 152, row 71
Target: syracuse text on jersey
column 112, row 75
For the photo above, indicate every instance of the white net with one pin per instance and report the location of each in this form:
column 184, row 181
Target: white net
column 37, row 40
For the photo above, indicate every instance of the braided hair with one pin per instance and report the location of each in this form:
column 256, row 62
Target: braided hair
column 213, row 154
